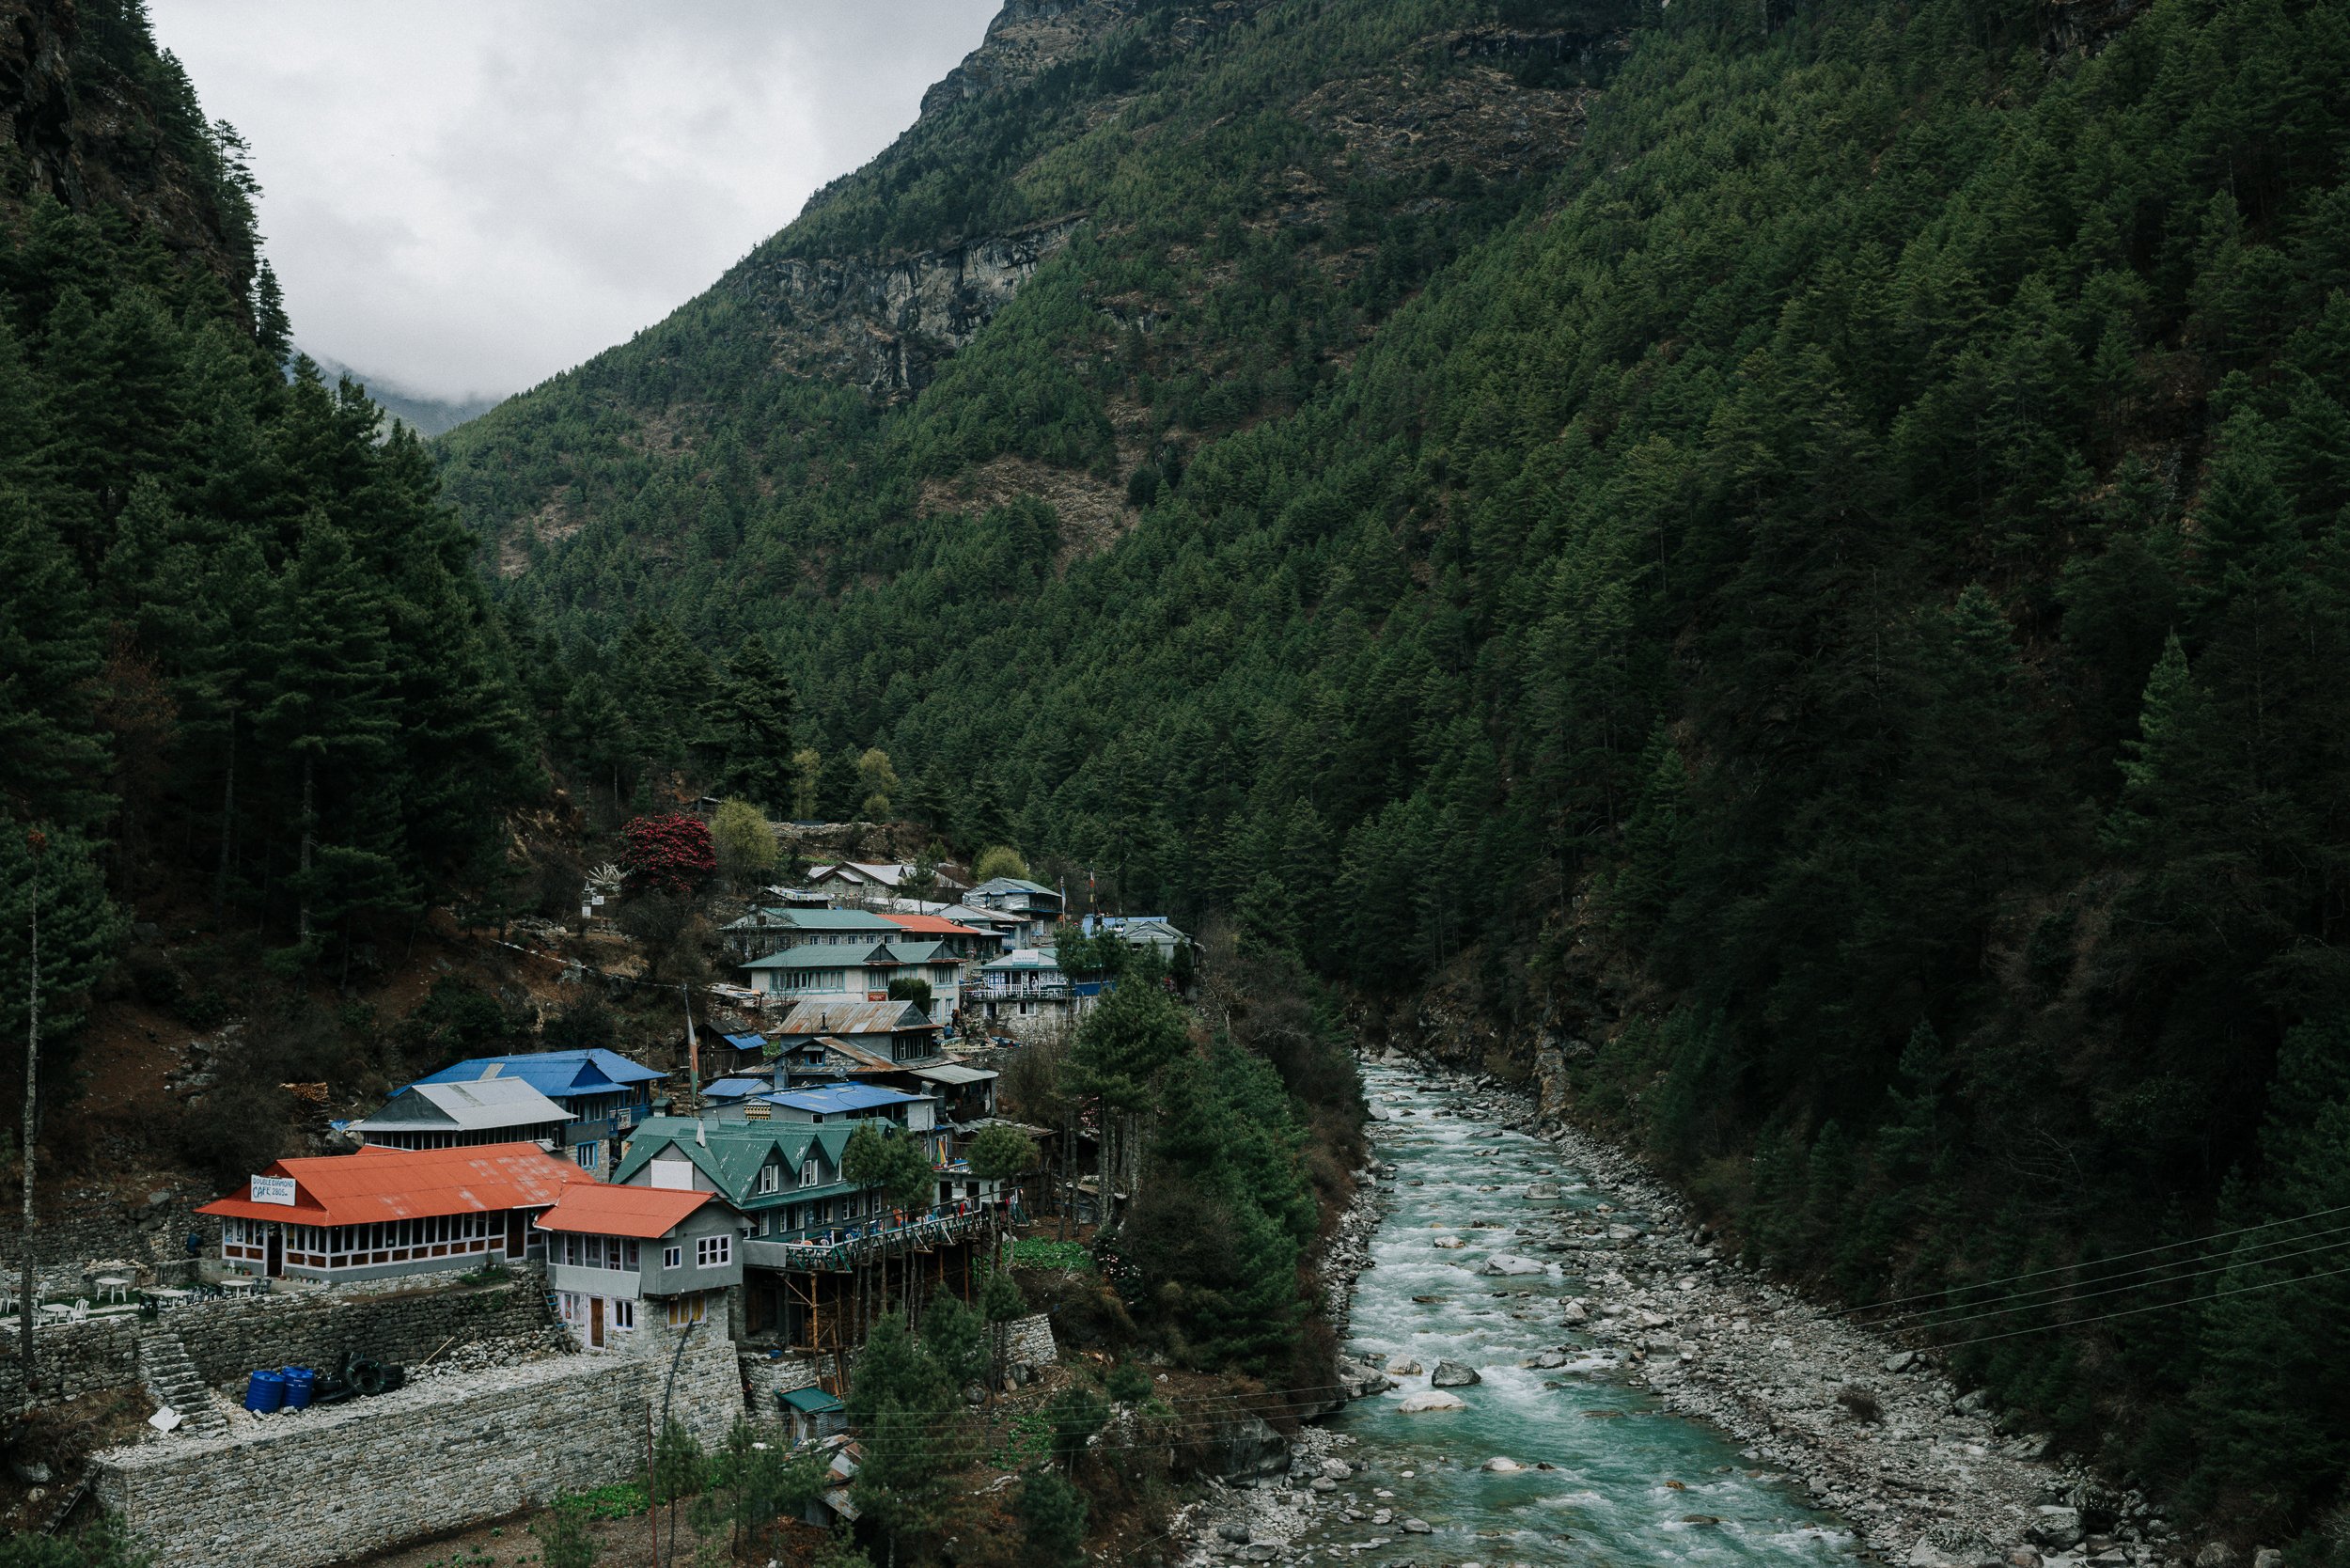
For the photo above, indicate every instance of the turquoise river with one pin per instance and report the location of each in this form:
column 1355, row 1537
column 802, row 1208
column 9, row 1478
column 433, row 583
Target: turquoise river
column 1609, row 1478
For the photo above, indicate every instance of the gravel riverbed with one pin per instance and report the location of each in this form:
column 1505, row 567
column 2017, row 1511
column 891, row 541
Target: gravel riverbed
column 1868, row 1428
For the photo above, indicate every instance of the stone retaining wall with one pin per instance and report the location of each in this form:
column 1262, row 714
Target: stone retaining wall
column 1029, row 1343
column 313, row 1328
column 306, row 1328
column 75, row 1358
column 328, row 1484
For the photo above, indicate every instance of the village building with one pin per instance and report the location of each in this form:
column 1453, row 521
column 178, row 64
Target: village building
column 605, row 1093
column 769, row 930
column 840, row 973
column 1025, row 994
column 449, row 1116
column 870, row 882
column 618, row 1254
column 891, row 1027
column 912, row 1113
column 1155, row 932
column 1035, row 906
column 998, row 931
column 967, row 945
column 810, row 1237
column 390, row 1212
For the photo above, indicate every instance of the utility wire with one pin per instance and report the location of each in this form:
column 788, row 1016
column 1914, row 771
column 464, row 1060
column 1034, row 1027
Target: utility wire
column 2156, row 1307
column 2066, row 1268
column 2255, row 1253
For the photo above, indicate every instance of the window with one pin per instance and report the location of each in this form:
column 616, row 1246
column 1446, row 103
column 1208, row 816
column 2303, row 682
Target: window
column 673, row 1256
column 769, row 1178
column 624, row 1312
column 809, row 1173
column 572, row 1251
column 586, row 1154
column 714, row 1251
column 687, row 1309
column 628, row 1256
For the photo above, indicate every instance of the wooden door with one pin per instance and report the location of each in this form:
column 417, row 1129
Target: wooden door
column 595, row 1322
column 276, row 1264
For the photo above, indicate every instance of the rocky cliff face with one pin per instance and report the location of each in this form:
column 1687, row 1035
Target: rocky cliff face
column 885, row 325
column 92, row 114
column 1030, row 36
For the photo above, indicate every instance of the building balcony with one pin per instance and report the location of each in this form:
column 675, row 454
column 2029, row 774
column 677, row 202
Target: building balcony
column 839, row 1248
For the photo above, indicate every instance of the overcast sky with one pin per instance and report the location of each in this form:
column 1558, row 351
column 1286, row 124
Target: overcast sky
column 465, row 196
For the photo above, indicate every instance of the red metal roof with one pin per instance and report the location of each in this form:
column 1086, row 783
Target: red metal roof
column 608, row 1209
column 376, row 1185
column 933, row 925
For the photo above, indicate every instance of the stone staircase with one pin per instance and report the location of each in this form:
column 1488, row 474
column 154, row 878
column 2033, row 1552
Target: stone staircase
column 171, row 1377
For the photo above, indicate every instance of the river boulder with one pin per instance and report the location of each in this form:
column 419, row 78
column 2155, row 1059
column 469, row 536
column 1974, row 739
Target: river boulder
column 1429, row 1398
column 1451, row 1374
column 1509, row 1264
column 1242, row 1447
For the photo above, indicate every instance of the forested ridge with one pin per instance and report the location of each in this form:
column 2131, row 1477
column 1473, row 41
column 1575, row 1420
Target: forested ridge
column 1827, row 608
column 249, row 683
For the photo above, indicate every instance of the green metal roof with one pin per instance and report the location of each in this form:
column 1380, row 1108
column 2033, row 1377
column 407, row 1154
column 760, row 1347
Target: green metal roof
column 735, row 1152
column 809, row 1402
column 850, row 955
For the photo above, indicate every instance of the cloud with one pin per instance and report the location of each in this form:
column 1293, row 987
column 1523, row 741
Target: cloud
column 463, row 198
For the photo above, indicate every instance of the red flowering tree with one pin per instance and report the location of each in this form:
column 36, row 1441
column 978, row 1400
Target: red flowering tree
column 669, row 854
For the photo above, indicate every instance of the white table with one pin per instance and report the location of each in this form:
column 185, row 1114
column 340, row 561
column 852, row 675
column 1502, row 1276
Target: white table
column 169, row 1296
column 113, row 1287
column 239, row 1284
column 51, row 1312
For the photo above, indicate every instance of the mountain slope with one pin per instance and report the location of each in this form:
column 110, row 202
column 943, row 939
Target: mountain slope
column 1801, row 574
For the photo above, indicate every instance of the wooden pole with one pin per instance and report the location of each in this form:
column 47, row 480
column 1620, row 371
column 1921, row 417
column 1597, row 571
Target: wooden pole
column 35, row 842
column 652, row 1509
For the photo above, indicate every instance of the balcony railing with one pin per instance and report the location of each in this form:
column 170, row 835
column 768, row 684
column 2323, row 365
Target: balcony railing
column 837, row 1249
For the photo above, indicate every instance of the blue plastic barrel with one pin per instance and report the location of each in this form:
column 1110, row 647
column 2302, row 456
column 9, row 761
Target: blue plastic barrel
column 300, row 1381
column 265, row 1392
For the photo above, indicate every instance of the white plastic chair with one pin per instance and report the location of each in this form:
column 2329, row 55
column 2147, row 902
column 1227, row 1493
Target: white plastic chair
column 81, row 1311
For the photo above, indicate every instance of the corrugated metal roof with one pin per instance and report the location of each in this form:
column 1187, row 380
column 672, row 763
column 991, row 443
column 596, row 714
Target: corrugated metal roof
column 821, row 1018
column 954, row 1072
column 931, row 925
column 1026, row 958
column 606, row 1210
column 731, row 1153
column 558, row 1074
column 849, row 955
column 482, row 1105
column 809, row 1401
column 411, row 1184
column 834, row 1098
column 734, row 1089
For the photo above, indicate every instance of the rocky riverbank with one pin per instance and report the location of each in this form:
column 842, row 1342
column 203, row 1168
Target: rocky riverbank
column 1917, row 1465
column 1921, row 1469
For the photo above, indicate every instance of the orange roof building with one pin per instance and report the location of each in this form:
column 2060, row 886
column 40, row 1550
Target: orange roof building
column 645, row 1213
column 391, row 1211
column 625, row 1258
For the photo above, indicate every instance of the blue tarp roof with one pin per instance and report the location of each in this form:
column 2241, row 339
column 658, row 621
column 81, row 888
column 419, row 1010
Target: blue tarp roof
column 840, row 1097
column 557, row 1074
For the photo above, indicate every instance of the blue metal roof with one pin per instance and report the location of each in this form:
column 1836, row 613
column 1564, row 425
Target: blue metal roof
column 839, row 1097
column 557, row 1074
column 745, row 1042
column 734, row 1089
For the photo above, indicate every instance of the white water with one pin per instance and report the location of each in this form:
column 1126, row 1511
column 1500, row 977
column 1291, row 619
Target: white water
column 1608, row 1500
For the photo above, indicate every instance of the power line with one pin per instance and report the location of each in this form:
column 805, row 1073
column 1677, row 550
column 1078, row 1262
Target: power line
column 2020, row 1303
column 2064, row 1268
column 2156, row 1307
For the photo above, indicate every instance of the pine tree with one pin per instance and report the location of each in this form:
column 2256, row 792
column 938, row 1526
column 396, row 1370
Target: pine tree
column 749, row 724
column 1052, row 1514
